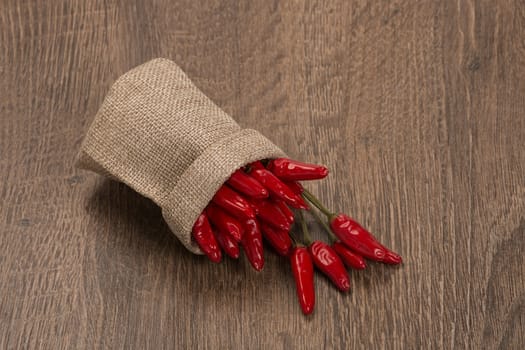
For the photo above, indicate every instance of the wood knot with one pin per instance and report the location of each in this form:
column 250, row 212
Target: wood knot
column 474, row 64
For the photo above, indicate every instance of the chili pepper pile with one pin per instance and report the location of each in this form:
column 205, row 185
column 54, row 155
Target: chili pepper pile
column 259, row 201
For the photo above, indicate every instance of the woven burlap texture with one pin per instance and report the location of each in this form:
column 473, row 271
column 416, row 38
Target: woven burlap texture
column 160, row 135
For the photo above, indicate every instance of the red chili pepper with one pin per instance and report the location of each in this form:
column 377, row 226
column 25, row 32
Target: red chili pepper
column 357, row 238
column 269, row 213
column 391, row 257
column 247, row 185
column 350, row 258
column 295, row 186
column 327, row 260
column 252, row 244
column 205, row 239
column 303, row 272
column 233, row 203
column 227, row 243
column 283, row 207
column 277, row 188
column 278, row 239
column 224, row 222
column 292, row 170
column 256, row 165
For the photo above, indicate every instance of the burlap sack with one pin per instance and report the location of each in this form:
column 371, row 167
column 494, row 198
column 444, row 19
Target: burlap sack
column 159, row 134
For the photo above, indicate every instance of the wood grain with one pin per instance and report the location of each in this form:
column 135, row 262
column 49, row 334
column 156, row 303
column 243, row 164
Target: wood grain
column 416, row 107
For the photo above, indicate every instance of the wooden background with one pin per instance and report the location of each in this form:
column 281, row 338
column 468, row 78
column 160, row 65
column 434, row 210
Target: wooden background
column 416, row 107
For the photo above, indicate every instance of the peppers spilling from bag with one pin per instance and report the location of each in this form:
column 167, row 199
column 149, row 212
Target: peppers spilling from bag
column 263, row 199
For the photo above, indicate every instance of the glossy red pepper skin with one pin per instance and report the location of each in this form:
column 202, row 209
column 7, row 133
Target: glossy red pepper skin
column 233, row 203
column 224, row 222
column 303, row 272
column 247, row 185
column 203, row 235
column 351, row 259
column 252, row 244
column 228, row 244
column 292, row 170
column 279, row 239
column 355, row 237
column 283, row 207
column 268, row 212
column 391, row 258
column 327, row 260
column 295, row 186
column 277, row 188
column 256, row 165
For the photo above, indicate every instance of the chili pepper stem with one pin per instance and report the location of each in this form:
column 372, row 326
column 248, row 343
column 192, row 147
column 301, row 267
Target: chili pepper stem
column 306, row 234
column 296, row 242
column 333, row 238
column 317, row 203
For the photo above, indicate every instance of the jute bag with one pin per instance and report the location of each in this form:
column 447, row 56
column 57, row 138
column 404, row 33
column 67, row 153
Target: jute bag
column 160, row 135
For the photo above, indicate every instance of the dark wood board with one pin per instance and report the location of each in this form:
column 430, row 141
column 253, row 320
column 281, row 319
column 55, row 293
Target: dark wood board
column 417, row 107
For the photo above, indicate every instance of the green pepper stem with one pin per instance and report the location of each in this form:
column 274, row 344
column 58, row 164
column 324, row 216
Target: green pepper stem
column 296, row 242
column 306, row 234
column 317, row 203
column 325, row 225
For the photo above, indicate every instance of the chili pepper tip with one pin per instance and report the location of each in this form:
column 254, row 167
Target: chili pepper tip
column 258, row 266
column 392, row 258
column 215, row 257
